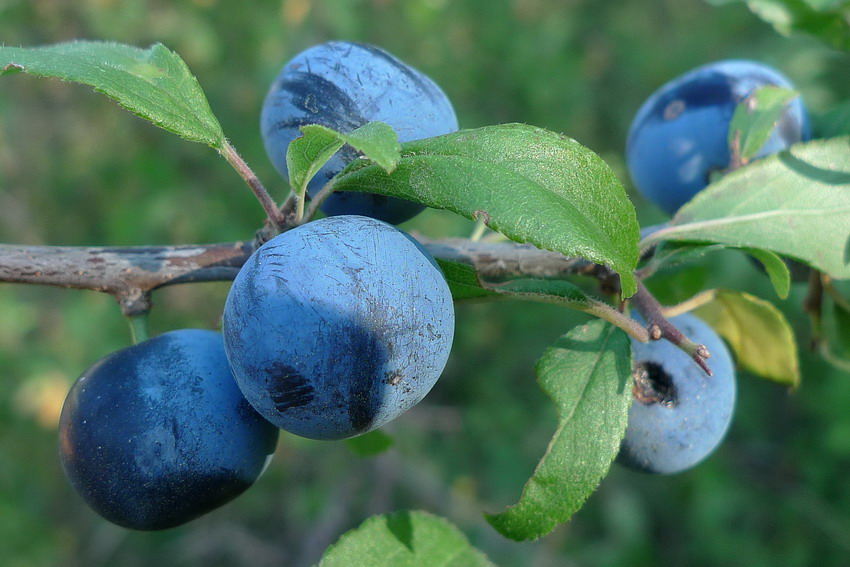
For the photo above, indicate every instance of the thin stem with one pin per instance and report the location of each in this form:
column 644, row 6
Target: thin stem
column 621, row 320
column 836, row 361
column 833, row 293
column 480, row 228
column 648, row 242
column 317, row 201
column 495, row 237
column 266, row 201
column 659, row 327
column 591, row 307
column 813, row 306
column 690, row 304
column 300, row 199
column 138, row 327
column 736, row 159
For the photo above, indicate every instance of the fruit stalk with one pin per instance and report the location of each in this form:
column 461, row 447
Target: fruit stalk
column 659, row 327
column 269, row 206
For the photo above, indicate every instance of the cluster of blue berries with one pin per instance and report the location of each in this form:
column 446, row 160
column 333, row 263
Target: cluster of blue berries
column 677, row 142
column 330, row 330
column 334, row 328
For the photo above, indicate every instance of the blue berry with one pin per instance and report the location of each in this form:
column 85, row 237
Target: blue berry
column 679, row 137
column 680, row 414
column 157, row 434
column 338, row 326
column 344, row 85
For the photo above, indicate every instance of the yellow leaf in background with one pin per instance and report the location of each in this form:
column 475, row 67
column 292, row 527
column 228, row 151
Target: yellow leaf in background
column 758, row 333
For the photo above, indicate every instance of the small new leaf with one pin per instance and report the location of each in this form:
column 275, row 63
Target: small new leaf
column 404, row 539
column 758, row 333
column 152, row 83
column 306, row 155
column 587, row 375
column 378, row 142
column 531, row 184
column 755, row 119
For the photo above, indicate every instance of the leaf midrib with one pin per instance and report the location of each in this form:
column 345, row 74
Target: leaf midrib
column 741, row 219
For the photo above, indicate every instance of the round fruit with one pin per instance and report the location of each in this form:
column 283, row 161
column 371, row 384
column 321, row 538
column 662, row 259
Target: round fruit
column 338, row 326
column 344, row 85
column 679, row 137
column 157, row 434
column 680, row 414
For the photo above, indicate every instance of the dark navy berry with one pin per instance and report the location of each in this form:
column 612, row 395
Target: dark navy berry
column 157, row 434
column 679, row 137
column 344, row 85
column 338, row 326
column 679, row 414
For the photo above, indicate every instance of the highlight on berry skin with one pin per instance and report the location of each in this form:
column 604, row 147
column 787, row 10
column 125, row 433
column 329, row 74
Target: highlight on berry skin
column 679, row 137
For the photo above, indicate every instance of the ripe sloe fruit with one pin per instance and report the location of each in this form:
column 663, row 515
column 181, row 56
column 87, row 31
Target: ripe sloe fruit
column 680, row 414
column 338, row 326
column 344, row 85
column 157, row 434
column 680, row 134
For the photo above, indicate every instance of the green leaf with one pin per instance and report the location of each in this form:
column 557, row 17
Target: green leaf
column 587, row 374
column 371, row 444
column 755, row 120
column 776, row 268
column 306, row 155
column 828, row 20
column 404, row 539
column 758, row 333
column 152, row 83
column 465, row 284
column 378, row 142
column 463, row 281
column 795, row 203
column 530, row 184
column 563, row 291
column 673, row 254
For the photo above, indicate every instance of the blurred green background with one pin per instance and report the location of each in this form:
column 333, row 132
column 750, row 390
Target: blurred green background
column 77, row 170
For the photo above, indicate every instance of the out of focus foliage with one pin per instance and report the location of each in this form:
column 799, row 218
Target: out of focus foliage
column 77, row 170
